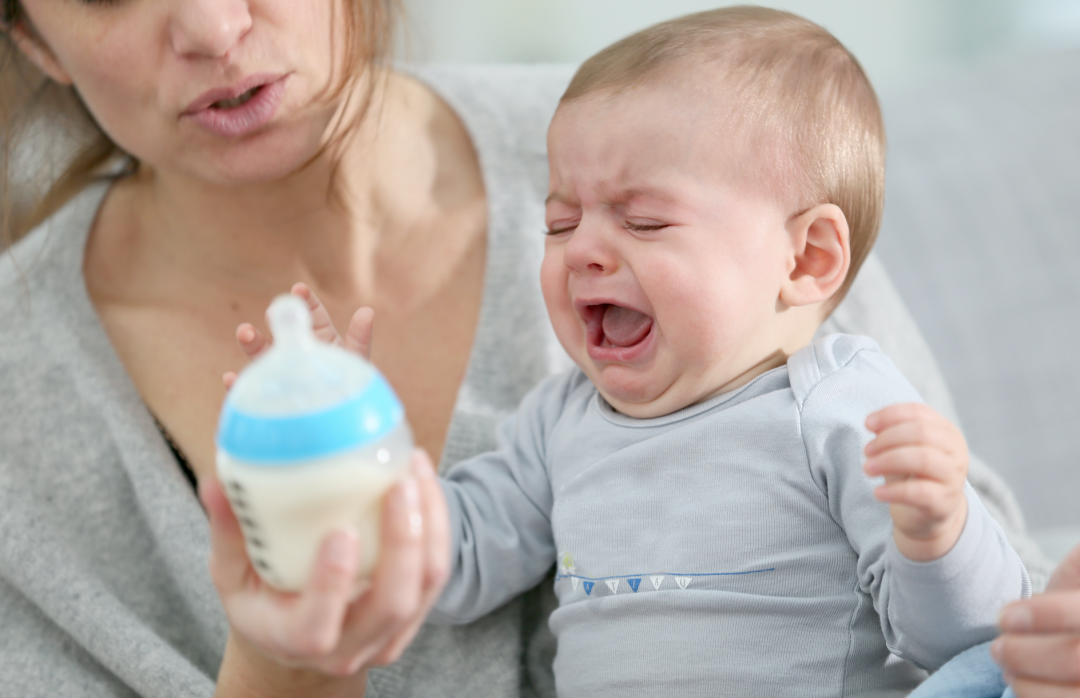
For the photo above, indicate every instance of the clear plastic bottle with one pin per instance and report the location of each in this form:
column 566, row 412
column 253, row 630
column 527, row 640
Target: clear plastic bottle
column 310, row 438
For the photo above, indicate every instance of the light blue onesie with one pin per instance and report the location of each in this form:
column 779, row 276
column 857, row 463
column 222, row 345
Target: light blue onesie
column 732, row 548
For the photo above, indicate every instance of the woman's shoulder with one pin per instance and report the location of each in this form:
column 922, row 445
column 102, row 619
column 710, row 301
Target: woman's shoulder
column 505, row 108
column 54, row 247
column 42, row 286
column 514, row 98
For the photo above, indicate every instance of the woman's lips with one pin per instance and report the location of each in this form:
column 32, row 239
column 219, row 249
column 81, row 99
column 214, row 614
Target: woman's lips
column 245, row 118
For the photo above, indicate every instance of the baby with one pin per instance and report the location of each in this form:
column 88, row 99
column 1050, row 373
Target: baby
column 699, row 479
column 705, row 481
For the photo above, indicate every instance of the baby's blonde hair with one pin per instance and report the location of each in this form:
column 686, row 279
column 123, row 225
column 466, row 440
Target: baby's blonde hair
column 801, row 100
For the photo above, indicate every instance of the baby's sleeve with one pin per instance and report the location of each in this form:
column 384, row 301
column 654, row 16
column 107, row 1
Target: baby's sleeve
column 929, row 611
column 500, row 512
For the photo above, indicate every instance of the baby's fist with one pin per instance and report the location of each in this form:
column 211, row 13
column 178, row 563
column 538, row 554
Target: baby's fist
column 924, row 460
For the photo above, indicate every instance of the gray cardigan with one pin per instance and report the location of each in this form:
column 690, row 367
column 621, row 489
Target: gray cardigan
column 104, row 589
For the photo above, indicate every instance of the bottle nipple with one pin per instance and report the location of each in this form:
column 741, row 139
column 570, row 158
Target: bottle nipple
column 290, row 322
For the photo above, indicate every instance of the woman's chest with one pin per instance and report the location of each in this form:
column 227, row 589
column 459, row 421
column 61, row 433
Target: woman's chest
column 176, row 357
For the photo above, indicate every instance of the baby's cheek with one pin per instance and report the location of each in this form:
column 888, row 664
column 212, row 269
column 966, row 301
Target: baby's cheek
column 552, row 284
column 560, row 309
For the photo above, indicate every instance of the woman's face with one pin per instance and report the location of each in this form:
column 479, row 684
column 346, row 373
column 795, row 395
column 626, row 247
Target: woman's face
column 226, row 91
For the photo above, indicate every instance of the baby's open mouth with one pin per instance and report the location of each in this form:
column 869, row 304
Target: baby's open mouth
column 614, row 326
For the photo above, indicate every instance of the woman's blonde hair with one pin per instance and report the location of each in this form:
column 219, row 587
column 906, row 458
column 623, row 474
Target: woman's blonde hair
column 36, row 112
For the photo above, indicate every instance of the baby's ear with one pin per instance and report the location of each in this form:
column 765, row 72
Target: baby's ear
column 35, row 49
column 821, row 255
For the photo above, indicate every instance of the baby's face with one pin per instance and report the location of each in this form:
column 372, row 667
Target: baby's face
column 661, row 275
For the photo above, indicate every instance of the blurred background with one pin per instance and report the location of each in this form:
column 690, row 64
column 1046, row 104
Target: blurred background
column 896, row 40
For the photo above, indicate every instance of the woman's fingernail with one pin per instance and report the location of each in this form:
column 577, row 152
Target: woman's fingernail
column 422, row 467
column 1016, row 618
column 411, row 494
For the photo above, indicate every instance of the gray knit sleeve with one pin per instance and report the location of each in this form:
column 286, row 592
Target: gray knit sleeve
column 874, row 308
column 928, row 611
column 500, row 512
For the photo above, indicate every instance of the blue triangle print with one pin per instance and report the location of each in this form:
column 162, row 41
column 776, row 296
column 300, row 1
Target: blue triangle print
column 588, row 587
column 634, row 583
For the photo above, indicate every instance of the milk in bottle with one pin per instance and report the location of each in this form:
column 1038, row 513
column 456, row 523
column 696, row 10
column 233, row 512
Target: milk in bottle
column 310, row 438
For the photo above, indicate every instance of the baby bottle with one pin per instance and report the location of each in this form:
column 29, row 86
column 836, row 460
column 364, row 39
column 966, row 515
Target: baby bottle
column 310, row 438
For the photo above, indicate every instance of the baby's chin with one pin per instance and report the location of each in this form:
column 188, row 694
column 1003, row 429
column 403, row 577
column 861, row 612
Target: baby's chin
column 642, row 402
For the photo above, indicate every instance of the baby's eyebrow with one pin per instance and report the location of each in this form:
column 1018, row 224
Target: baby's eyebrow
column 630, row 195
column 622, row 196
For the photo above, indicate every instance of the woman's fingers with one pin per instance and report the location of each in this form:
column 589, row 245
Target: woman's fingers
column 436, row 523
column 324, row 602
column 1051, row 658
column 1066, row 576
column 437, row 553
column 229, row 564
column 399, row 576
column 1027, row 688
column 394, row 600
column 358, row 336
column 1052, row 612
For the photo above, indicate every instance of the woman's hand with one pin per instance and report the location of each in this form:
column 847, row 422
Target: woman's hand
column 323, row 629
column 320, row 640
column 1039, row 647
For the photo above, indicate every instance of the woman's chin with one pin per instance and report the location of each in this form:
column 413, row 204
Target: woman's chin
column 243, row 166
column 266, row 157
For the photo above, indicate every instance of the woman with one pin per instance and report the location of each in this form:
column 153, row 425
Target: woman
column 267, row 144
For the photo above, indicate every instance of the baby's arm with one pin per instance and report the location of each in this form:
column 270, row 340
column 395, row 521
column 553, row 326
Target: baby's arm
column 500, row 506
column 929, row 610
column 924, row 460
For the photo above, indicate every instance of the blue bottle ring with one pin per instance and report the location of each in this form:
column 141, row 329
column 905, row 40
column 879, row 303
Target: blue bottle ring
column 359, row 421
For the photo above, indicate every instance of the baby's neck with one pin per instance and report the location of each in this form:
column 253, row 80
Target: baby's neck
column 774, row 360
column 795, row 331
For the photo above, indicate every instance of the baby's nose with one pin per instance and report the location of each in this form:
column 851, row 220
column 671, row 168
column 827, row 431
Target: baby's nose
column 589, row 250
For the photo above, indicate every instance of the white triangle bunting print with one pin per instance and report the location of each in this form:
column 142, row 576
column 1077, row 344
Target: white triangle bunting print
column 683, row 582
column 574, row 581
column 656, row 580
column 612, row 584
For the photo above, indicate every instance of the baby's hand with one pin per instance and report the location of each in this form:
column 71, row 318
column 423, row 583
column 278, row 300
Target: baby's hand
column 924, row 460
column 357, row 337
